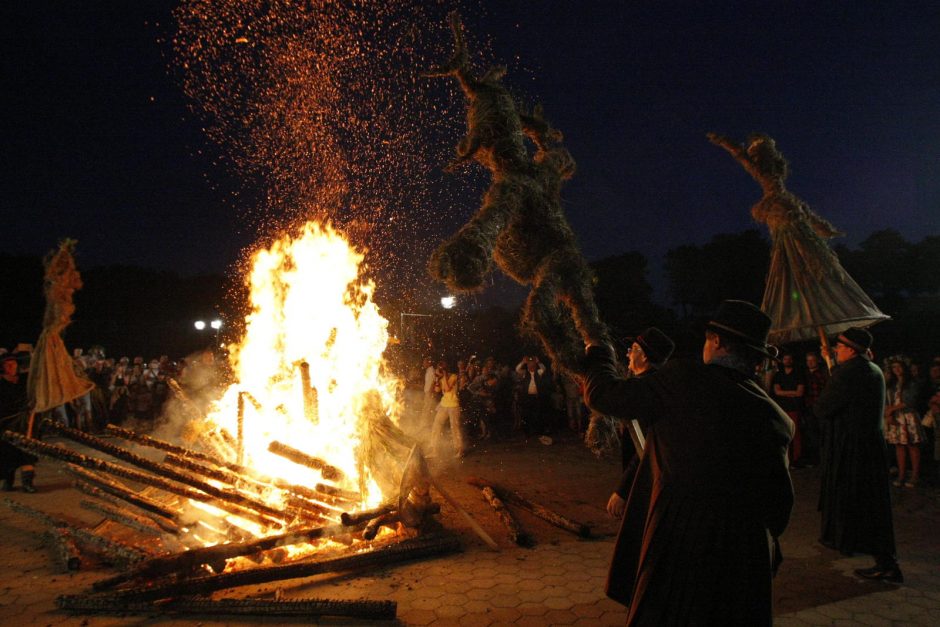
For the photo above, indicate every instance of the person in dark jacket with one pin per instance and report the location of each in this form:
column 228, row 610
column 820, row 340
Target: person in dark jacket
column 13, row 412
column 698, row 538
column 854, row 496
column 648, row 352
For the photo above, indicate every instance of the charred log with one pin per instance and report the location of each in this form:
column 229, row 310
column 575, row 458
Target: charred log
column 187, row 561
column 115, row 551
column 59, row 452
column 127, row 519
column 67, row 555
column 187, row 458
column 383, row 520
column 165, row 471
column 181, row 451
column 362, row 609
column 365, row 515
column 411, row 549
column 330, row 473
column 96, row 484
column 514, row 498
column 516, row 534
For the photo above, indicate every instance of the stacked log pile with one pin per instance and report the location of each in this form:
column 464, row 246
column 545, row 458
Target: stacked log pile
column 206, row 524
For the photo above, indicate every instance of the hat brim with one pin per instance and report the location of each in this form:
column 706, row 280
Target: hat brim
column 767, row 350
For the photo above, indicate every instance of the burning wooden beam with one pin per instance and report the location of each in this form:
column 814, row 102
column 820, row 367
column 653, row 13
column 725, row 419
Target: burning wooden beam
column 415, row 548
column 163, row 470
column 516, row 534
column 365, row 515
column 146, row 440
column 307, row 608
column 100, row 483
column 60, row 452
column 66, row 553
column 327, row 494
column 127, row 519
column 188, row 561
column 311, row 405
column 165, row 525
column 330, row 473
column 117, row 552
column 514, row 498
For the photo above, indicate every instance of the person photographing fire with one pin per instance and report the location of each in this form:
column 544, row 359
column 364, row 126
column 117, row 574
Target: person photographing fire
column 448, row 409
column 698, row 541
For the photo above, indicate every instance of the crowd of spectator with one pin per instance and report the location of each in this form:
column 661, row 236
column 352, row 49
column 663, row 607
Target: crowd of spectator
column 125, row 388
column 912, row 410
column 486, row 399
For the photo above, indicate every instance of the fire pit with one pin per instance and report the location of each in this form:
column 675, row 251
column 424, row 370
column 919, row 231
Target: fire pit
column 295, row 467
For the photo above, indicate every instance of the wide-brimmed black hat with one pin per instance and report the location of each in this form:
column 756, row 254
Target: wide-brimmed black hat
column 858, row 339
column 656, row 344
column 742, row 321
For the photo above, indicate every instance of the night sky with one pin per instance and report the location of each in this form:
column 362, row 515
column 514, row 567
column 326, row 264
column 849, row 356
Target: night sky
column 100, row 145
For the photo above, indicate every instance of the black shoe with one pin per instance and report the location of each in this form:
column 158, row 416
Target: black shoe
column 884, row 573
column 27, row 480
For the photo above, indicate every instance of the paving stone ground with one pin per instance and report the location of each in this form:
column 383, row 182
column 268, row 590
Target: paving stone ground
column 558, row 582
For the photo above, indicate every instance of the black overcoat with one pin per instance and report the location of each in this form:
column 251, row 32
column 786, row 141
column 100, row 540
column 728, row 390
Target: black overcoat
column 854, row 496
column 712, row 491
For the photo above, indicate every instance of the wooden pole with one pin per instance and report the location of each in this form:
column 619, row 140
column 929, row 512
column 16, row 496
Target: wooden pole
column 514, row 498
column 824, row 344
column 241, row 429
column 304, row 609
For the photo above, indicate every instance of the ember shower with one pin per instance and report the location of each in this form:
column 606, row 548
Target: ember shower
column 321, row 105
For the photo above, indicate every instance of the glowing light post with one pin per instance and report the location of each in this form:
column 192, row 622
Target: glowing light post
column 215, row 325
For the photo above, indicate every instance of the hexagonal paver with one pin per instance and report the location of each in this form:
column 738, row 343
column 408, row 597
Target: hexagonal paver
column 558, row 603
column 419, row 617
column 505, row 600
column 560, row 617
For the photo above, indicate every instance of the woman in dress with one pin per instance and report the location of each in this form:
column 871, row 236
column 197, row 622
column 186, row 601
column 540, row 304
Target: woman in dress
column 902, row 420
column 807, row 287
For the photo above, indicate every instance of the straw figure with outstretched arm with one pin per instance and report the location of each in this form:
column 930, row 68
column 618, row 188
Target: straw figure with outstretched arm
column 520, row 226
column 807, row 292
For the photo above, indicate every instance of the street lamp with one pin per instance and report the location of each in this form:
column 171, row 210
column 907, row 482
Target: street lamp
column 448, row 302
column 216, row 324
column 200, row 325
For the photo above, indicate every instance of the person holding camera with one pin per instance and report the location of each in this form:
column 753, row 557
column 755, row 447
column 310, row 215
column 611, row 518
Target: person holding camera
column 448, row 409
column 534, row 389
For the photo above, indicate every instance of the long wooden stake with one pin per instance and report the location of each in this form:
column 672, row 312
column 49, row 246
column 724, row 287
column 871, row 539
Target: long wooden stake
column 305, row 608
column 826, row 350
column 60, row 452
column 514, row 498
column 405, row 550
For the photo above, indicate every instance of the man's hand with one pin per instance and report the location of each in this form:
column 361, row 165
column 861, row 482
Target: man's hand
column 616, row 506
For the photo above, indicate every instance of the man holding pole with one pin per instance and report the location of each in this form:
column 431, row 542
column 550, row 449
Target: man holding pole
column 698, row 541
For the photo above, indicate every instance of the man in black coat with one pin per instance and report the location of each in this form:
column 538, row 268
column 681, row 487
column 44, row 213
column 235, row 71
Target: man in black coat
column 854, row 496
column 713, row 491
column 648, row 352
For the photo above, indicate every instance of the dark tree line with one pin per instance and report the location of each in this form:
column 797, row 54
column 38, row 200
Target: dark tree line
column 133, row 310
column 126, row 309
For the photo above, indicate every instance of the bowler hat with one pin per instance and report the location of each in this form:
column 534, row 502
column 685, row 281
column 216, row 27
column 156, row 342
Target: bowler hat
column 744, row 322
column 656, row 344
column 858, row 339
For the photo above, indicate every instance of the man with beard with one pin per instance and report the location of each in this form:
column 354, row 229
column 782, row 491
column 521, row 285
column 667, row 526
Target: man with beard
column 698, row 540
column 854, row 497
